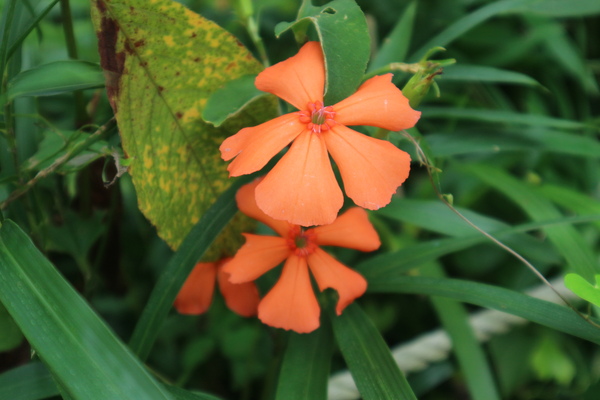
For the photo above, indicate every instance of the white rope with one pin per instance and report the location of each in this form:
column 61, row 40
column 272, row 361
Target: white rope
column 434, row 346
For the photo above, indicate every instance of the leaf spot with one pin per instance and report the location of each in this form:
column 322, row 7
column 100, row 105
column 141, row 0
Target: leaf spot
column 169, row 40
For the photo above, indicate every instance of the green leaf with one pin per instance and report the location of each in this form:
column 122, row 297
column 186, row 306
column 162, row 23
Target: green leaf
column 572, row 200
column 470, row 355
column 76, row 236
column 466, row 23
column 179, row 267
column 561, row 8
column 57, row 144
column 306, row 365
column 438, row 217
column 528, row 139
column 500, row 117
column 53, row 317
column 469, row 21
column 567, row 53
column 469, row 142
column 566, row 239
column 163, row 62
column 343, row 33
column 230, row 99
column 551, row 362
column 368, row 357
column 481, row 73
column 32, row 381
column 10, row 334
column 24, row 28
column 182, row 394
column 545, row 313
column 54, row 78
column 403, row 260
column 582, row 288
column 9, row 10
column 565, row 143
column 395, row 45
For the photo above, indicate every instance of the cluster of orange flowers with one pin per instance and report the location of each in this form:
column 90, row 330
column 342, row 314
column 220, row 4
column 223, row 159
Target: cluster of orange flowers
column 301, row 191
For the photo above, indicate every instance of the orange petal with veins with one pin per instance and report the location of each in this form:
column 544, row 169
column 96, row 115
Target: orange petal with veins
column 302, row 188
column 253, row 147
column 377, row 102
column 352, row 229
column 330, row 273
column 246, row 202
column 371, row 169
column 241, row 298
column 299, row 79
column 196, row 293
column 258, row 255
column 291, row 304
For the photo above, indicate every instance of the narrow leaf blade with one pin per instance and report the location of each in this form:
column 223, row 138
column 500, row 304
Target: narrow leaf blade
column 566, row 239
column 395, row 46
column 369, row 359
column 32, row 381
column 305, row 368
column 54, row 78
column 545, row 313
column 481, row 73
column 470, row 355
column 53, row 317
column 191, row 250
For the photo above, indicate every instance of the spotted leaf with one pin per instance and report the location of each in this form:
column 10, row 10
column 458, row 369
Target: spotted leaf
column 162, row 62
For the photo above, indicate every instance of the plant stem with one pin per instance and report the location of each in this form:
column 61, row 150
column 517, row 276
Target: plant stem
column 260, row 46
column 10, row 136
column 431, row 172
column 67, row 20
column 249, row 21
column 6, row 23
column 57, row 163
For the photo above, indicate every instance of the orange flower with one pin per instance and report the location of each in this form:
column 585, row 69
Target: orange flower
column 302, row 188
column 291, row 303
column 196, row 294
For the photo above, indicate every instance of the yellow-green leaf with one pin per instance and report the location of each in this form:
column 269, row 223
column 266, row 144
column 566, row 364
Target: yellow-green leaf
column 162, row 62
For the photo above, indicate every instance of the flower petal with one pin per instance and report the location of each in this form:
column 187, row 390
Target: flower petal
column 258, row 255
column 196, row 293
column 255, row 146
column 352, row 229
column 241, row 298
column 299, row 80
column 291, row 304
column 371, row 169
column 302, row 188
column 246, row 202
column 330, row 273
column 377, row 102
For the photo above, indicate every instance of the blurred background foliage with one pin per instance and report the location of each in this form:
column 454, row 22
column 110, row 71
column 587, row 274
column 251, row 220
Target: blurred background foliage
column 513, row 132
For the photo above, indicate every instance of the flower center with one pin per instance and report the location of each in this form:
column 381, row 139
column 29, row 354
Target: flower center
column 301, row 242
column 317, row 117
